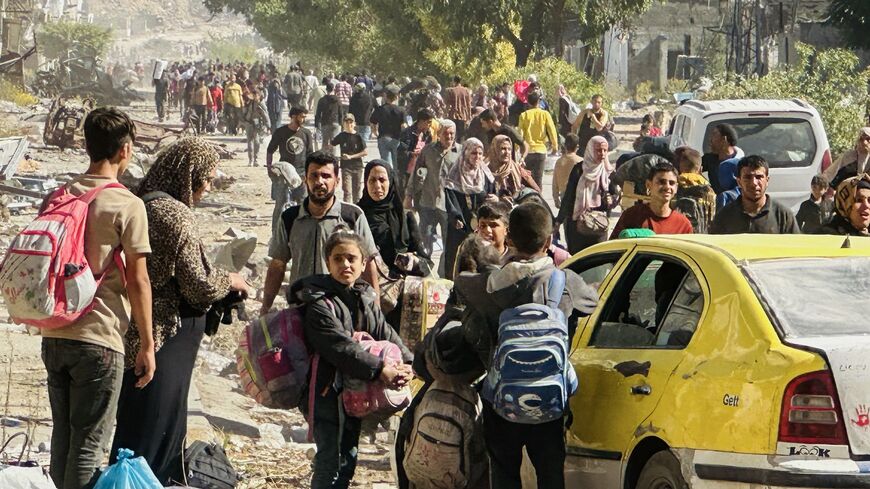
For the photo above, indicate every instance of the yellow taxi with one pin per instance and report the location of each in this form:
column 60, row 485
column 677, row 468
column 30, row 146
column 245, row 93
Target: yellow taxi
column 723, row 362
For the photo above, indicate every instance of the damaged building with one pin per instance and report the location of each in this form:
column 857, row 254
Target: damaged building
column 688, row 39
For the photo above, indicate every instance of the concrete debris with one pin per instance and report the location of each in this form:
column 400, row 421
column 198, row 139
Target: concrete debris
column 270, row 436
column 234, row 255
column 11, row 153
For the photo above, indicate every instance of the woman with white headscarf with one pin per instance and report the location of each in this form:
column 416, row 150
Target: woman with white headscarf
column 589, row 197
column 854, row 162
column 466, row 187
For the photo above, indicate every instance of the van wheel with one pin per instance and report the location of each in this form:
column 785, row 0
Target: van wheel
column 662, row 471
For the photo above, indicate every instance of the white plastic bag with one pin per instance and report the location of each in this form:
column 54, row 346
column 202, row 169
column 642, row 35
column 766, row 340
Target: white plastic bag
column 12, row 477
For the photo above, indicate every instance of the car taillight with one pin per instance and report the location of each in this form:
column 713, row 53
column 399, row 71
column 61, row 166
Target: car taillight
column 811, row 411
column 826, row 159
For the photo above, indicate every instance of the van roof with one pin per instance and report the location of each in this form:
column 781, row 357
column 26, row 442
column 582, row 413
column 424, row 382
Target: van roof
column 749, row 105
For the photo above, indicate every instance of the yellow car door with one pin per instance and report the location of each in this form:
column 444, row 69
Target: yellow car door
column 646, row 316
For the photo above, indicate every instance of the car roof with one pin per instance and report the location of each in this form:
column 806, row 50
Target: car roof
column 740, row 247
column 748, row 105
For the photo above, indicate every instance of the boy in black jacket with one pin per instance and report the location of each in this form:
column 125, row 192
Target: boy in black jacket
column 521, row 281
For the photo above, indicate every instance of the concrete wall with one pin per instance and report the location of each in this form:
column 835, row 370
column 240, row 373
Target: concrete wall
column 661, row 33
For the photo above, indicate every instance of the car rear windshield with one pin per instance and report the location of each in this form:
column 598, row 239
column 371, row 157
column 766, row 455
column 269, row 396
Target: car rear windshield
column 814, row 297
column 783, row 142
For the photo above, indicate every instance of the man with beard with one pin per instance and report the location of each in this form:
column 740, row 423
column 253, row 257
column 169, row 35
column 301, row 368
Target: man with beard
column 294, row 143
column 313, row 222
column 754, row 212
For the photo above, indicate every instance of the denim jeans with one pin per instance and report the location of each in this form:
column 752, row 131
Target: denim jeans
column 429, row 219
column 389, row 150
column 84, row 382
column 545, row 444
column 336, row 436
column 365, row 132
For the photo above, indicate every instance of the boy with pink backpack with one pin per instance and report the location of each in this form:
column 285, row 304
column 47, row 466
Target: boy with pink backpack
column 360, row 364
column 64, row 274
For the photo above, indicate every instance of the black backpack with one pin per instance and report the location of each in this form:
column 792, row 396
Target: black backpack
column 207, row 467
column 697, row 203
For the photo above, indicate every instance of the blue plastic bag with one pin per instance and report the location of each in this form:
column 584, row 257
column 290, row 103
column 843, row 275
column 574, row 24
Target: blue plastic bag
column 128, row 473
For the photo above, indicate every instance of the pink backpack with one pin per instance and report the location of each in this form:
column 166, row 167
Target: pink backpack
column 273, row 360
column 371, row 398
column 45, row 278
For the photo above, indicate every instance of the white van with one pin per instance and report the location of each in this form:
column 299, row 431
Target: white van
column 787, row 133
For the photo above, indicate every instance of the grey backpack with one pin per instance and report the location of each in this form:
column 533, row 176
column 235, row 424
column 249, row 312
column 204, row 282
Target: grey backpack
column 445, row 448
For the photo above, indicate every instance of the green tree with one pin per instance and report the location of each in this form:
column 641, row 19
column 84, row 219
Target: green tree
column 413, row 36
column 830, row 80
column 536, row 26
column 67, row 39
column 852, row 17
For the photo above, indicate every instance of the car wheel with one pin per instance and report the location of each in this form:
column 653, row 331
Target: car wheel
column 662, row 471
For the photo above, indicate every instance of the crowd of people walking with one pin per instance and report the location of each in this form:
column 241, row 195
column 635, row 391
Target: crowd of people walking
column 460, row 171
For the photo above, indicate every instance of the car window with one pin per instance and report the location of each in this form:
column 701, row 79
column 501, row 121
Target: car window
column 683, row 316
column 657, row 303
column 595, row 269
column 783, row 142
column 684, row 131
column 814, row 297
column 677, row 131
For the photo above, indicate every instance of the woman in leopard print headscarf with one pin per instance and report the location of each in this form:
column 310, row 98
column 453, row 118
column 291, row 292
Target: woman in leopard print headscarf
column 852, row 201
column 153, row 421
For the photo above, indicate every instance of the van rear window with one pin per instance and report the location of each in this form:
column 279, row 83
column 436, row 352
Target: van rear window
column 783, row 142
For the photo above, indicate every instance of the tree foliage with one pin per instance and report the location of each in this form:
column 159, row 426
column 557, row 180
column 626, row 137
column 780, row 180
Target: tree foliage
column 830, row 80
column 421, row 36
column 853, row 19
column 67, row 39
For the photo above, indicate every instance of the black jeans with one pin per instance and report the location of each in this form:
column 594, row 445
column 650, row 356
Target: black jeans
column 545, row 444
column 535, row 163
column 84, row 382
column 336, row 436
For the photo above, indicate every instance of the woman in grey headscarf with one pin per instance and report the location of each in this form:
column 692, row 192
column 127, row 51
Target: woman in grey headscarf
column 466, row 187
column 590, row 196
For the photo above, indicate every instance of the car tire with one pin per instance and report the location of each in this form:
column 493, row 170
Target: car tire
column 662, row 471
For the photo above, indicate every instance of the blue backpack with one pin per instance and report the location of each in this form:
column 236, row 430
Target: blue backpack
column 531, row 376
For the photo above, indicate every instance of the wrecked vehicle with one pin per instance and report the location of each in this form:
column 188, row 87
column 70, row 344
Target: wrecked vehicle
column 722, row 361
column 66, row 117
column 82, row 77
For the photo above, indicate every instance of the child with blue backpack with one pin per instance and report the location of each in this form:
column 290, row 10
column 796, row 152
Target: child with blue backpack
column 521, row 318
column 336, row 306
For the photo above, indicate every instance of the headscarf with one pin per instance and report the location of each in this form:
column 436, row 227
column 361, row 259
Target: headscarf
column 386, row 217
column 562, row 91
column 181, row 169
column 465, row 178
column 507, row 176
column 847, row 191
column 594, row 180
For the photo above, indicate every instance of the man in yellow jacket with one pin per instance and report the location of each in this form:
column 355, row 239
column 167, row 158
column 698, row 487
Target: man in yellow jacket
column 538, row 128
column 233, row 104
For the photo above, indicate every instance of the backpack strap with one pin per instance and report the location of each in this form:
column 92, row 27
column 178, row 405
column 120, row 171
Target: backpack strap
column 312, row 382
column 289, row 217
column 555, row 288
column 89, row 197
